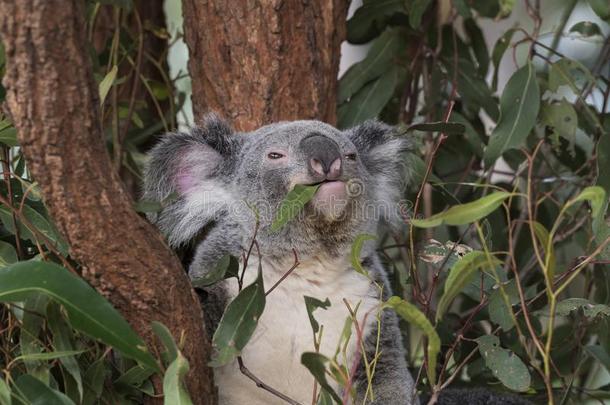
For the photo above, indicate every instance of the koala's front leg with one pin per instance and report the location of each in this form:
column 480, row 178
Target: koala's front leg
column 392, row 382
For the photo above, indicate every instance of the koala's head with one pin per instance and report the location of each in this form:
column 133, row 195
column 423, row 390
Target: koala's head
column 222, row 177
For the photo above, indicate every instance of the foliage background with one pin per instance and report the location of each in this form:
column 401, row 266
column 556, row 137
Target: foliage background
column 424, row 61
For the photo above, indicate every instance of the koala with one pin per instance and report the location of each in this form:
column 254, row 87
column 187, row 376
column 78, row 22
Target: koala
column 227, row 188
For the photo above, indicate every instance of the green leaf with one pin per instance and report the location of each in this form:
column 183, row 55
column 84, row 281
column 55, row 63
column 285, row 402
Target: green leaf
column 37, row 393
column 478, row 46
column 498, row 312
column 371, row 19
column 601, row 8
column 227, row 266
column 472, row 137
column 311, row 304
column 316, row 364
column 8, row 136
column 8, row 254
column 62, row 334
column 5, row 393
column 369, row 101
column 498, row 52
column 356, row 251
column 506, row 7
column 504, row 364
column 239, row 322
column 93, row 381
column 87, row 310
column 31, row 326
column 415, row 317
column 542, row 234
column 589, row 309
column 292, row 204
column 561, row 119
column 465, row 213
column 586, row 29
column 48, row 355
column 519, row 106
column 416, row 10
column 379, row 59
column 106, row 83
column 600, row 353
column 460, row 275
column 471, row 86
column 173, row 382
column 37, row 221
column 571, row 73
column 165, row 336
column 598, row 199
column 441, row 126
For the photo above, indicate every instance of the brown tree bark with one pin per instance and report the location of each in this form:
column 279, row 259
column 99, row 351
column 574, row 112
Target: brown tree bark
column 259, row 61
column 53, row 101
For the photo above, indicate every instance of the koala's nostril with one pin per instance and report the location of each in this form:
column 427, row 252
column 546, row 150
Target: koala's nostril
column 317, row 166
column 335, row 169
column 323, row 154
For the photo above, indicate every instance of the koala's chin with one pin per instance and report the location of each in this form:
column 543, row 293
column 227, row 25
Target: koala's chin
column 331, row 200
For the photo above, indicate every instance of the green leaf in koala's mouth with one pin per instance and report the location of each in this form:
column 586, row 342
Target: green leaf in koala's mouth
column 294, row 202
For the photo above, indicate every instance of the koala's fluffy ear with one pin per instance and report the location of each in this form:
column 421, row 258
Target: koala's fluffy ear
column 384, row 153
column 191, row 170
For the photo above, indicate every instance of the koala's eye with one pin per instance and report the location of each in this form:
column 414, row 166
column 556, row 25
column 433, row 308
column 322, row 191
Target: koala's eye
column 350, row 156
column 275, row 155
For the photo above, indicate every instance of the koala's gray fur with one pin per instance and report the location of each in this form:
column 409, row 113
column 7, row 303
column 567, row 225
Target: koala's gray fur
column 214, row 170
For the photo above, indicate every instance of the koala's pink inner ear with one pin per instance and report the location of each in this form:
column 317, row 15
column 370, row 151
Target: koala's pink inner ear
column 197, row 166
column 185, row 181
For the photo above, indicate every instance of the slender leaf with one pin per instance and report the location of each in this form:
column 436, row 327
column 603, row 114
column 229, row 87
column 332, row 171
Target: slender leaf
column 227, row 266
column 293, row 204
column 238, row 322
column 415, row 317
column 519, row 107
column 369, row 101
column 8, row 254
column 5, row 393
column 371, row 19
column 586, row 29
column 165, row 336
column 173, row 382
column 498, row 52
column 460, row 275
column 504, row 364
column 378, row 60
column 357, row 250
column 441, row 126
column 465, row 213
column 88, row 311
column 600, row 353
column 316, row 364
column 596, row 196
column 416, row 10
column 311, row 304
column 106, row 83
column 543, row 237
column 38, row 393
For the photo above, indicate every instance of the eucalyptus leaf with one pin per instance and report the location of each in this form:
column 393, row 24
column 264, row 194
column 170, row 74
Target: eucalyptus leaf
column 498, row 52
column 600, row 353
column 292, row 204
column 356, row 252
column 370, row 100
column 415, row 317
column 227, row 266
column 601, row 8
column 460, row 276
column 519, row 107
column 106, row 83
column 465, row 213
column 416, row 10
column 316, row 364
column 165, row 336
column 174, row 392
column 586, row 29
column 379, row 59
column 5, row 393
column 238, row 322
column 371, row 19
column 596, row 196
column 38, row 393
column 311, row 304
column 8, row 254
column 504, row 364
column 87, row 310
column 441, row 126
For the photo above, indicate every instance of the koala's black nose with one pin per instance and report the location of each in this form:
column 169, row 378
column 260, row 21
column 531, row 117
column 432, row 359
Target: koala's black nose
column 323, row 156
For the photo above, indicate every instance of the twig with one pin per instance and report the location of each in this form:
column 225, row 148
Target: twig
column 290, row 270
column 260, row 384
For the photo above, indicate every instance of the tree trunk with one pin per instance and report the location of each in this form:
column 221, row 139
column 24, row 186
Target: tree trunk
column 53, row 101
column 257, row 62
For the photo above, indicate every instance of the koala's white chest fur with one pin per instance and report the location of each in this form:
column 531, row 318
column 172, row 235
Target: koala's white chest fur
column 284, row 332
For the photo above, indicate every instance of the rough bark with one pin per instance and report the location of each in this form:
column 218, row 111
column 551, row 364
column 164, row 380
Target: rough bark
column 259, row 61
column 53, row 101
